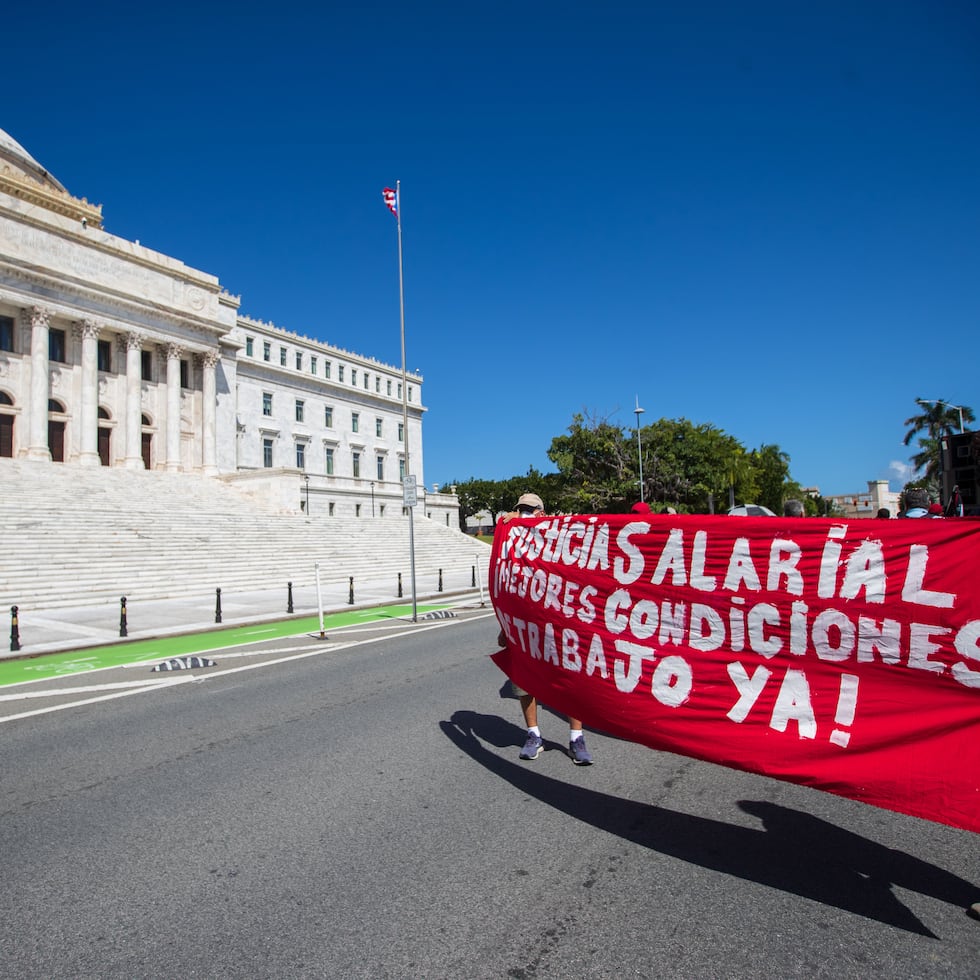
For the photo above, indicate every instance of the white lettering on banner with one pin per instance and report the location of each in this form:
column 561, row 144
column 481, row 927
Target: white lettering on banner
column 700, row 581
column 784, row 557
column 793, row 704
column 913, row 591
column 749, row 689
column 831, row 635
column 629, row 570
column 846, row 709
column 921, row 644
column 829, row 562
column 672, row 681
column 641, row 596
column 865, row 571
column 672, row 560
column 597, row 659
column 627, row 679
column 968, row 646
column 741, row 568
column 571, row 542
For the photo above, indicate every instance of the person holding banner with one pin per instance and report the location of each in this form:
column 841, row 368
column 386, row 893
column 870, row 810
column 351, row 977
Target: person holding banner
column 531, row 505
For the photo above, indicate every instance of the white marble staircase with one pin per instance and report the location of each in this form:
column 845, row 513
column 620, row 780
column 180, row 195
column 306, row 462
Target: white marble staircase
column 71, row 536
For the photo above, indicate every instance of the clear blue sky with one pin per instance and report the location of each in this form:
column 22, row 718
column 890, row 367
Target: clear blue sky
column 765, row 216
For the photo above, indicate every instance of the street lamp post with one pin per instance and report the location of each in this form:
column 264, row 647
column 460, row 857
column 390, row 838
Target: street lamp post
column 372, row 498
column 939, row 401
column 306, row 479
column 639, row 445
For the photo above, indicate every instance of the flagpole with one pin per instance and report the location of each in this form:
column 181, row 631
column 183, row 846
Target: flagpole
column 408, row 471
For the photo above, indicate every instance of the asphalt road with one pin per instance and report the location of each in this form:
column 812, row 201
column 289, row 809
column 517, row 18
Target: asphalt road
column 356, row 808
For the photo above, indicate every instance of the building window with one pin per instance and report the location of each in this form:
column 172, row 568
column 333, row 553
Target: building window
column 340, row 372
column 365, row 381
column 266, row 351
column 377, row 427
column 312, row 365
column 299, row 409
column 185, row 374
column 399, row 389
column 377, row 384
column 401, row 470
column 328, row 460
column 282, row 356
column 381, row 510
column 326, row 369
column 355, row 421
column 250, row 346
column 330, row 509
column 299, row 360
column 357, row 510
column 266, row 402
column 56, row 346
column 104, row 356
column 301, row 455
column 401, row 431
column 353, row 376
column 381, row 468
column 267, row 453
column 7, row 333
column 356, row 459
column 389, row 387
column 328, row 416
column 410, row 392
column 146, row 365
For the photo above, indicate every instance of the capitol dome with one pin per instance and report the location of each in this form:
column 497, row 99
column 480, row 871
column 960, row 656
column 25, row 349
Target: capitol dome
column 13, row 155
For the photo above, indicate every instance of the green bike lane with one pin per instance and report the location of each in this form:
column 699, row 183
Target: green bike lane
column 82, row 660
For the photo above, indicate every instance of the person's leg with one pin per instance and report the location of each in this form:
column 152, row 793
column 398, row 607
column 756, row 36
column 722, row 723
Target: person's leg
column 529, row 708
column 534, row 745
column 576, row 744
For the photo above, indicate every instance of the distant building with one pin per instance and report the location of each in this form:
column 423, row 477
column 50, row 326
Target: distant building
column 114, row 355
column 865, row 504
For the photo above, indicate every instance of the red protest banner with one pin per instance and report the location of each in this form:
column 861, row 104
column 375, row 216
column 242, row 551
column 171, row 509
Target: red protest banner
column 842, row 655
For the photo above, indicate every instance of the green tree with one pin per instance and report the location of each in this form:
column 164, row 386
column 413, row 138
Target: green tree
column 771, row 467
column 598, row 467
column 936, row 419
column 496, row 496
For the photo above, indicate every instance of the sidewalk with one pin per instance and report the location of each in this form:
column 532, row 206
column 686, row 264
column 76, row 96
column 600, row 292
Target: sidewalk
column 78, row 627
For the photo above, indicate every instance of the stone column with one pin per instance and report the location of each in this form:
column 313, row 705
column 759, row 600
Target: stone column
column 173, row 406
column 209, row 412
column 134, row 407
column 38, row 434
column 89, row 422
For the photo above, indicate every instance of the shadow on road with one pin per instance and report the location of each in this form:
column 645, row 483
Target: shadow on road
column 793, row 851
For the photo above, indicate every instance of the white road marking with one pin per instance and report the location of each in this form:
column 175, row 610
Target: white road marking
column 287, row 655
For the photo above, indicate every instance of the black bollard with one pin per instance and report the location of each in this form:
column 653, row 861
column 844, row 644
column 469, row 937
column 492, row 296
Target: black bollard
column 122, row 617
column 399, row 585
column 217, row 606
column 14, row 629
column 473, row 582
column 350, row 600
column 440, row 580
column 289, row 604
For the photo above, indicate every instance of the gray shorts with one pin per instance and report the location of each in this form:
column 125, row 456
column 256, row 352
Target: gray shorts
column 519, row 692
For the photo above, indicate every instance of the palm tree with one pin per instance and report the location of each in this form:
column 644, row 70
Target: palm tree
column 937, row 419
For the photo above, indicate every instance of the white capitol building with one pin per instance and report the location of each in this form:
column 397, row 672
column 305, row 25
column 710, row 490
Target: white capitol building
column 114, row 355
